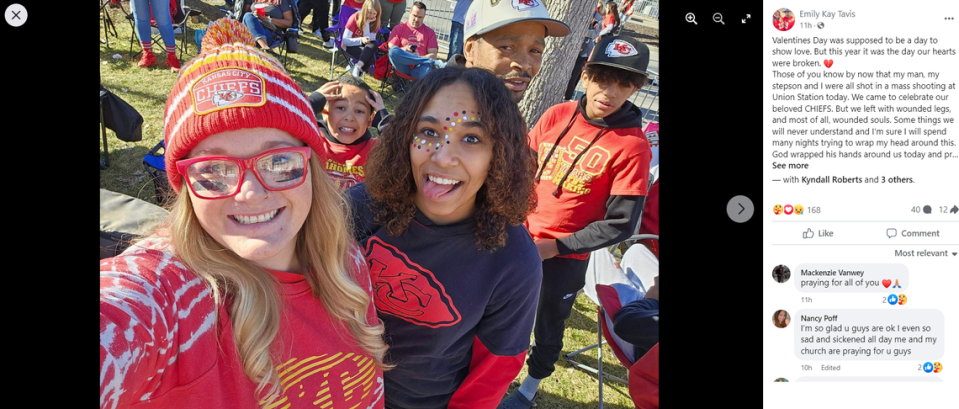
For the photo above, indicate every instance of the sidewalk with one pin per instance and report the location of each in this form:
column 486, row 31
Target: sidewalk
column 644, row 21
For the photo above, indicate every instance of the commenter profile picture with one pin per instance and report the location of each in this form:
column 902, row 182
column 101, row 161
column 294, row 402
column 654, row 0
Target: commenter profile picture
column 781, row 273
column 784, row 19
column 781, row 319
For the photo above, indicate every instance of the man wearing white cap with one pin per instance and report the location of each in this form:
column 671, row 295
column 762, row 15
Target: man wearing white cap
column 508, row 38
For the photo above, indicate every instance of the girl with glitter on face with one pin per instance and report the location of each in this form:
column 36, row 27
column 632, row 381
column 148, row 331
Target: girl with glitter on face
column 455, row 275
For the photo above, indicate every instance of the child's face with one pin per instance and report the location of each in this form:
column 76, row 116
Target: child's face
column 450, row 155
column 603, row 99
column 350, row 115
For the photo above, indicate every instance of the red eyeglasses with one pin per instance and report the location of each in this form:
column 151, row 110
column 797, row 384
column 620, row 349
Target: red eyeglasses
column 220, row 177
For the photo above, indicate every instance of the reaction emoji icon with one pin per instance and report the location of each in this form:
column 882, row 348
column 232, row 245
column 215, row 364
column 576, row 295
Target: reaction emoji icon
column 937, row 367
column 777, row 209
column 886, row 283
column 798, row 209
column 893, row 300
column 902, row 299
column 788, row 209
column 927, row 367
column 897, row 284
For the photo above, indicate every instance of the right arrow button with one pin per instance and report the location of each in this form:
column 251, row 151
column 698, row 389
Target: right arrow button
column 740, row 209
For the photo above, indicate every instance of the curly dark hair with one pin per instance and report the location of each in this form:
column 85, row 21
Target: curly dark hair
column 507, row 195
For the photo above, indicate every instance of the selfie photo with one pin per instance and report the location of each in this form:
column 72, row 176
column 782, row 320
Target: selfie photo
column 379, row 204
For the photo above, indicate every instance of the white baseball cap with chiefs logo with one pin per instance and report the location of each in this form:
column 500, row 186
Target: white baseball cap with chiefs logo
column 621, row 52
column 484, row 16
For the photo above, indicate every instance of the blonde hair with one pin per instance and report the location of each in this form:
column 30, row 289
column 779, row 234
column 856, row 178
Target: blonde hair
column 361, row 18
column 323, row 247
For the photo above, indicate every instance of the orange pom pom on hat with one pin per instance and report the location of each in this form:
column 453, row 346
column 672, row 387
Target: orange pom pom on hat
column 232, row 85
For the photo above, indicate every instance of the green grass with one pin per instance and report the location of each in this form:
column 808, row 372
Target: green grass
column 569, row 387
column 147, row 91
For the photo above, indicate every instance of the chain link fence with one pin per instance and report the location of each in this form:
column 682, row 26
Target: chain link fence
column 647, row 8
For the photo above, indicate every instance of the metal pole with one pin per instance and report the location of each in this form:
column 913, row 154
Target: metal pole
column 103, row 131
column 599, row 322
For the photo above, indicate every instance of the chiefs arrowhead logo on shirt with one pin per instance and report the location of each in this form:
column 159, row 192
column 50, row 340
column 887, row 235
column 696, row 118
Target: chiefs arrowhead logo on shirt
column 227, row 88
column 524, row 4
column 405, row 289
column 620, row 48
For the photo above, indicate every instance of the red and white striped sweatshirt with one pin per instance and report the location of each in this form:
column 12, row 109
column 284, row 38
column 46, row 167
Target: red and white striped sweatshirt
column 164, row 343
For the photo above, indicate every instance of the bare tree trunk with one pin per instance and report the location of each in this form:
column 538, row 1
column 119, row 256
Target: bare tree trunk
column 549, row 85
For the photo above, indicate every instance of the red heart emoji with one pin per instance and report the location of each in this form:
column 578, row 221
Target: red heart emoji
column 828, row 63
column 886, row 283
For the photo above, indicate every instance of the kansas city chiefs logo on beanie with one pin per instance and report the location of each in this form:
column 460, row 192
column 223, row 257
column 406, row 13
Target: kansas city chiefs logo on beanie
column 620, row 48
column 226, row 88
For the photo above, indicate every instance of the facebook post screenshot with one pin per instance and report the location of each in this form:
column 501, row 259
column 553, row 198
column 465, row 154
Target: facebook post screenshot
column 403, row 203
column 860, row 201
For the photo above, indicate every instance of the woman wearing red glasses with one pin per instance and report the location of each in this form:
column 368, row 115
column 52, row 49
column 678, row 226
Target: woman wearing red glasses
column 252, row 293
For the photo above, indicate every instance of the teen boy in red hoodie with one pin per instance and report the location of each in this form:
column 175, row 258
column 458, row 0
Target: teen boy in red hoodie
column 592, row 179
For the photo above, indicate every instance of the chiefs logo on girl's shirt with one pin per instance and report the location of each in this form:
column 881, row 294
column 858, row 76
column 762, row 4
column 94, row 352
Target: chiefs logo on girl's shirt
column 406, row 289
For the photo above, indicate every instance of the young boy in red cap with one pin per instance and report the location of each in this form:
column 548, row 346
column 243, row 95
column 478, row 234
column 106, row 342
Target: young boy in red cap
column 591, row 185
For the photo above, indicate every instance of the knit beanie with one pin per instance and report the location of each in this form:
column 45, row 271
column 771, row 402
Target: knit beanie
column 232, row 85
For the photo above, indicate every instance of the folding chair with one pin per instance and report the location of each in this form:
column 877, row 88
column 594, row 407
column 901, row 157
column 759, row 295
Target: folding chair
column 398, row 81
column 604, row 273
column 336, row 31
column 155, row 166
column 339, row 25
column 105, row 163
column 107, row 21
column 609, row 299
column 121, row 117
column 286, row 39
column 180, row 28
column 644, row 380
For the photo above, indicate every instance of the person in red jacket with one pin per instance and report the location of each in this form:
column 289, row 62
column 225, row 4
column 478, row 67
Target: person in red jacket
column 591, row 185
column 252, row 293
